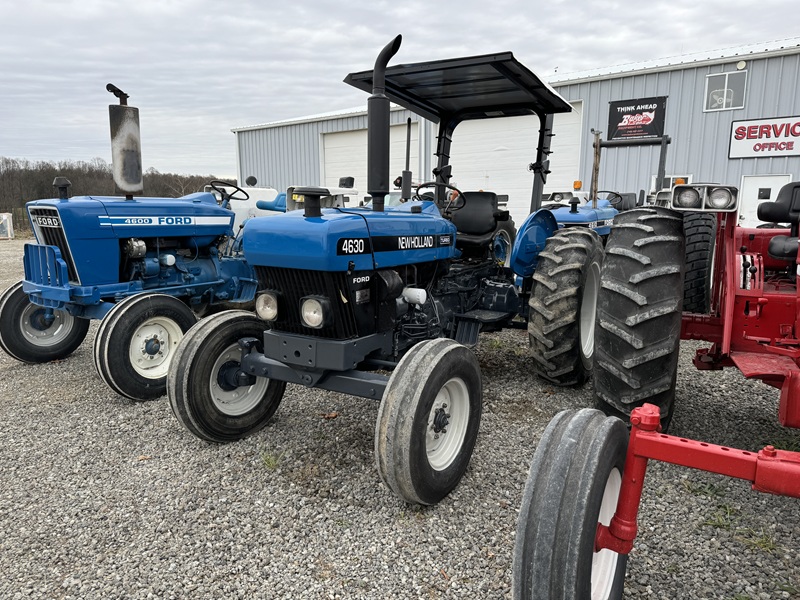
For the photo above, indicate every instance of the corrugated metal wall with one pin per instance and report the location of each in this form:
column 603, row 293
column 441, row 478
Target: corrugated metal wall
column 699, row 139
column 280, row 156
column 289, row 154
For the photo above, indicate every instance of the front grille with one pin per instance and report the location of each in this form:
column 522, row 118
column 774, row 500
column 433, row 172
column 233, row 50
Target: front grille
column 50, row 232
column 294, row 284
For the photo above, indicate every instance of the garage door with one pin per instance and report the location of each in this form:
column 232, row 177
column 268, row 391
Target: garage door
column 494, row 154
column 345, row 155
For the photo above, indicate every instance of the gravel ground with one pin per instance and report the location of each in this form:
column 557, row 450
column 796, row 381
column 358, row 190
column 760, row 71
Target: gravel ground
column 105, row 498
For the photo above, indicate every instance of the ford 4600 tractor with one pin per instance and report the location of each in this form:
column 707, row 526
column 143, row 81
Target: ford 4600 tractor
column 140, row 264
column 346, row 293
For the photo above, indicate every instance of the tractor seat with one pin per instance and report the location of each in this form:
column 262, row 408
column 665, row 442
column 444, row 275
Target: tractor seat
column 785, row 209
column 476, row 220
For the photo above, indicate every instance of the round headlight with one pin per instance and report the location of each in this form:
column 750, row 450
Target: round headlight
column 312, row 313
column 720, row 198
column 267, row 306
column 688, row 198
column 558, row 197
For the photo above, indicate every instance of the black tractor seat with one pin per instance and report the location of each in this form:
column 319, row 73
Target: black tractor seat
column 785, row 209
column 476, row 219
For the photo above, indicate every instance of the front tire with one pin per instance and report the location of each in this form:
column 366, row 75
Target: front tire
column 573, row 484
column 30, row 335
column 203, row 398
column 563, row 306
column 428, row 421
column 639, row 313
column 136, row 342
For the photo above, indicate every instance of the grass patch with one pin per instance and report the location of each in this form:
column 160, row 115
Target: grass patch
column 270, row 460
column 723, row 517
column 758, row 540
column 790, row 444
column 711, row 490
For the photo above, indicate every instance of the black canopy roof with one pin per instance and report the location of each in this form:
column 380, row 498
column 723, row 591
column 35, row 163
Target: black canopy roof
column 475, row 87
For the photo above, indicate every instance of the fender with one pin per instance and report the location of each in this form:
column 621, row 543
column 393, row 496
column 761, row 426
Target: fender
column 531, row 238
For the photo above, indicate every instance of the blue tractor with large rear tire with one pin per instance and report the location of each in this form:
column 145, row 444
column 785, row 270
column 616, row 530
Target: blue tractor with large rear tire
column 346, row 294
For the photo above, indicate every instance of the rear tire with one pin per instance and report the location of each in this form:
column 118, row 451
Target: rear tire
column 700, row 231
column 573, row 484
column 637, row 335
column 201, row 399
column 428, row 421
column 136, row 342
column 503, row 241
column 26, row 334
column 563, row 306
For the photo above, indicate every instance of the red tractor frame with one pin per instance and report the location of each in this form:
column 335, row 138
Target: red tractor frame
column 578, row 518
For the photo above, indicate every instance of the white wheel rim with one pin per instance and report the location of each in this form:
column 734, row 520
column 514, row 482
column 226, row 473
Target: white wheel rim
column 604, row 563
column 240, row 400
column 589, row 312
column 451, row 406
column 45, row 336
column 152, row 346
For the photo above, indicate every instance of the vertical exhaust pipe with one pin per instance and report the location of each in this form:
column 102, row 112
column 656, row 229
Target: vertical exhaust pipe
column 126, row 148
column 378, row 128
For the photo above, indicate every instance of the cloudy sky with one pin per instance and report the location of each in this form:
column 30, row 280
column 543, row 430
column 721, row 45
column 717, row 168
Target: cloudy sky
column 197, row 68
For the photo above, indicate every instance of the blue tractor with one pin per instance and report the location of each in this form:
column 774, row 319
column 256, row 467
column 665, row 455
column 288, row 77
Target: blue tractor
column 346, row 294
column 145, row 266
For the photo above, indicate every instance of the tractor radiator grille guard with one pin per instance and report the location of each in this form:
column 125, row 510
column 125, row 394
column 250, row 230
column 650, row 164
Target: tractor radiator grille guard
column 294, row 284
column 49, row 231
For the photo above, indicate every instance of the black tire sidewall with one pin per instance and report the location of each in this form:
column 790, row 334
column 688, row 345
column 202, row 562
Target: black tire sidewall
column 117, row 336
column 13, row 303
column 204, row 414
column 432, row 485
column 602, row 458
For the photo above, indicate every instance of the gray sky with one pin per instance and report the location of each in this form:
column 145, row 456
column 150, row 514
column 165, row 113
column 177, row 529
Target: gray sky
column 197, row 68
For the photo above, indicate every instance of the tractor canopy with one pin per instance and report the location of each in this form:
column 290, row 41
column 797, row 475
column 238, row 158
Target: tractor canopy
column 450, row 91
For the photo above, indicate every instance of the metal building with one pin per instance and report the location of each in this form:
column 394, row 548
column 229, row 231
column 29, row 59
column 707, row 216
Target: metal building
column 733, row 116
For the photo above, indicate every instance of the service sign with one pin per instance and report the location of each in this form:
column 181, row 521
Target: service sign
column 638, row 118
column 764, row 138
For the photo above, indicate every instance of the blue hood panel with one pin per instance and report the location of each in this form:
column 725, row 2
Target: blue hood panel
column 586, row 214
column 367, row 239
column 94, row 226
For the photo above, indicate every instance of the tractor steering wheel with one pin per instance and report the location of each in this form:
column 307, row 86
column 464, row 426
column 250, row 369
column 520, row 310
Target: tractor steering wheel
column 615, row 199
column 219, row 187
column 449, row 187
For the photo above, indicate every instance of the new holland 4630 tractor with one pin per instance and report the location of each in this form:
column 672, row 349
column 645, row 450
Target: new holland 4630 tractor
column 348, row 292
column 142, row 265
column 578, row 518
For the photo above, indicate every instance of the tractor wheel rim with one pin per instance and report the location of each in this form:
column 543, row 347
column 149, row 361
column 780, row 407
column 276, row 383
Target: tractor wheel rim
column 447, row 424
column 604, row 563
column 591, row 288
column 152, row 345
column 240, row 400
column 36, row 335
column 502, row 247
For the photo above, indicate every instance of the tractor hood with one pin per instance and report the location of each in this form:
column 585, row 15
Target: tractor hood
column 88, row 229
column 357, row 239
column 586, row 215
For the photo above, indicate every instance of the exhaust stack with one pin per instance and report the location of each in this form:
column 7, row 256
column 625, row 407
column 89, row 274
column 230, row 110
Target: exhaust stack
column 378, row 128
column 126, row 145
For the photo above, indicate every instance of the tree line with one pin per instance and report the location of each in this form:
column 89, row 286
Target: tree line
column 23, row 180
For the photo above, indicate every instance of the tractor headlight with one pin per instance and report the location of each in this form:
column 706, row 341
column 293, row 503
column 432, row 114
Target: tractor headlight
column 721, row 199
column 315, row 311
column 267, row 306
column 687, row 198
